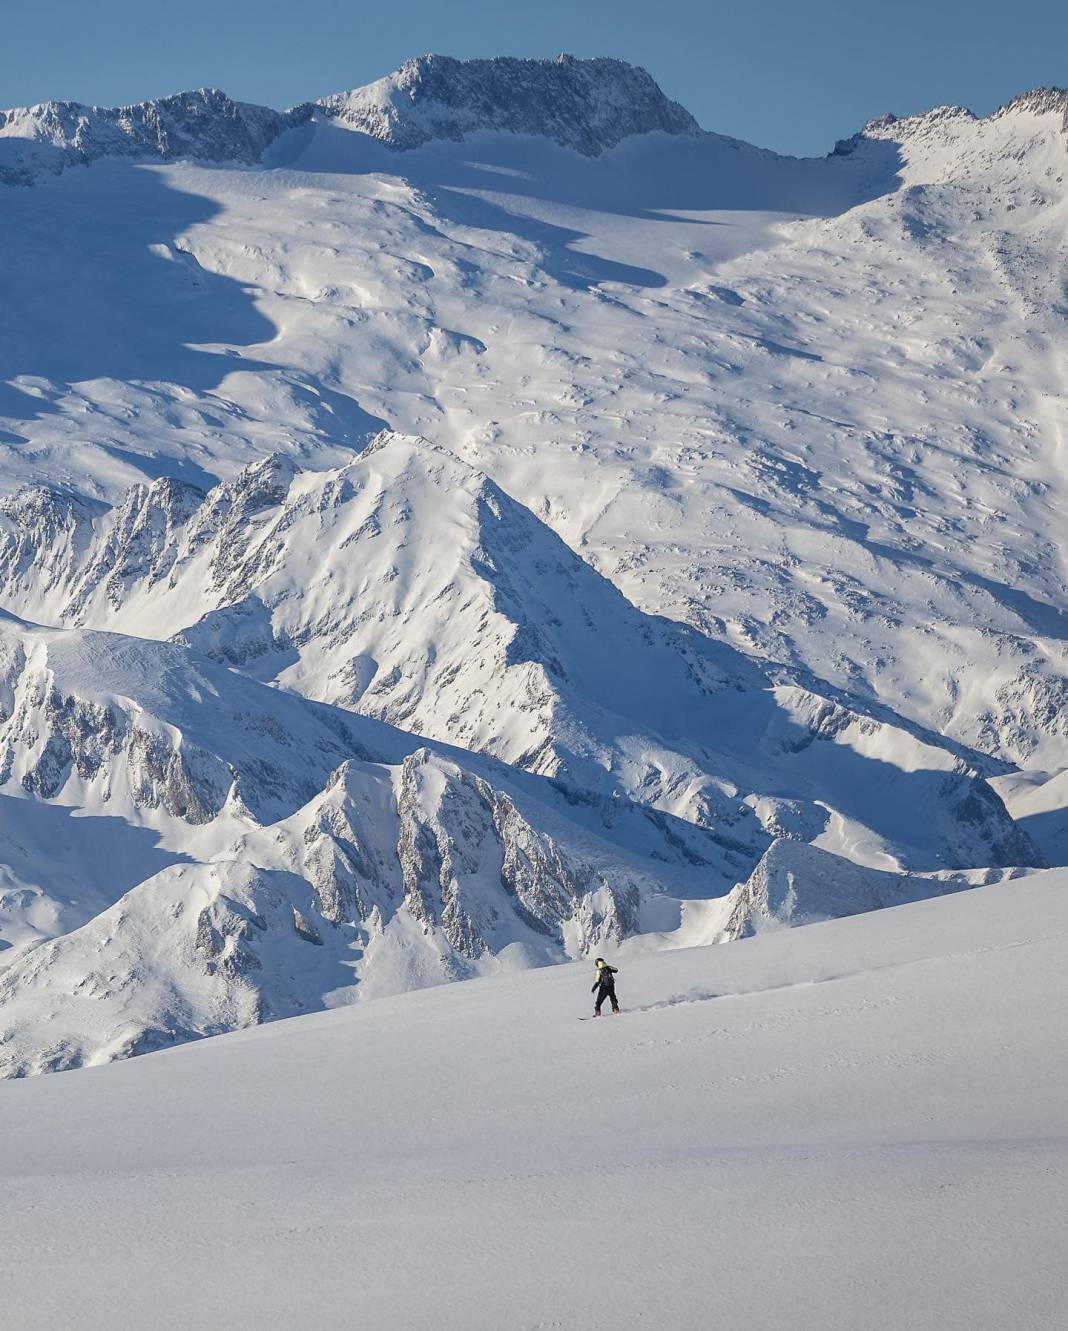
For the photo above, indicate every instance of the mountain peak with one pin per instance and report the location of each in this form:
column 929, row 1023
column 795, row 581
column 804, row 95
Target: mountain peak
column 206, row 124
column 586, row 105
column 941, row 121
column 1039, row 101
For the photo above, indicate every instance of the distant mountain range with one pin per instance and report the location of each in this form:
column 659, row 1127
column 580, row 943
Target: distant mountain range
column 587, row 105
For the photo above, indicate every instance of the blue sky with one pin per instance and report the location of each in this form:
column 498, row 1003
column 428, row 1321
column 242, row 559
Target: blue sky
column 788, row 74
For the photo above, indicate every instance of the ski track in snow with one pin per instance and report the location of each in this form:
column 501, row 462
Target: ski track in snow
column 707, row 996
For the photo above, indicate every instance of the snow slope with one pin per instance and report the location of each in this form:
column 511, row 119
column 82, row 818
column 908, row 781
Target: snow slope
column 855, row 1124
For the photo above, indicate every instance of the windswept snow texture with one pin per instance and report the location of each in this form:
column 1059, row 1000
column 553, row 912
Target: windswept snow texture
column 858, row 1124
column 475, row 518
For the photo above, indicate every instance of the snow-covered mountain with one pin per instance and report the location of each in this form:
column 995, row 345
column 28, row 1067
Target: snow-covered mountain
column 409, row 587
column 797, row 883
column 309, row 855
column 206, row 124
column 470, row 518
column 587, row 105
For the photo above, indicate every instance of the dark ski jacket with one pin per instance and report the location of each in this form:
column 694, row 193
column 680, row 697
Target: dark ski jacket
column 606, row 978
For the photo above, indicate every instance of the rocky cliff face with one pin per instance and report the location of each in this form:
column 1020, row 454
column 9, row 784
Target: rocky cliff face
column 796, row 884
column 586, row 105
column 392, row 877
column 45, row 537
column 206, row 125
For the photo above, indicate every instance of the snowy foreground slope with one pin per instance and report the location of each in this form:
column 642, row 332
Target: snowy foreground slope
column 858, row 1124
column 483, row 517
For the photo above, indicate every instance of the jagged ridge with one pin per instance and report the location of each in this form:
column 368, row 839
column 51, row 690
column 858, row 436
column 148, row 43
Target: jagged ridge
column 335, row 585
column 205, row 124
column 1038, row 101
column 587, row 105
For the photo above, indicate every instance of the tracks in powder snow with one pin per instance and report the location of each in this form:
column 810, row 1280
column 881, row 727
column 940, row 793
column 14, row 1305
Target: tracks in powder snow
column 701, row 995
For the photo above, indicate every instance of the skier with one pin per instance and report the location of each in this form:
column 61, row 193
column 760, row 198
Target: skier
column 605, row 986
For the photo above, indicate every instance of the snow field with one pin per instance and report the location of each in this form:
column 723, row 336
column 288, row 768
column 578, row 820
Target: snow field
column 864, row 1129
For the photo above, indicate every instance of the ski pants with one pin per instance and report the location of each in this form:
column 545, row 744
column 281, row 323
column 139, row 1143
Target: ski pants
column 606, row 991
